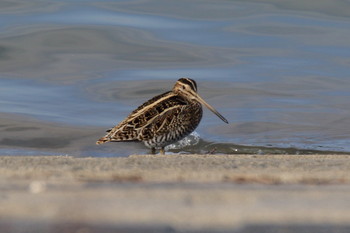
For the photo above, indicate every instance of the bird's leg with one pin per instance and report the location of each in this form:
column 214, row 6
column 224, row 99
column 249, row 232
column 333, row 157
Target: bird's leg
column 153, row 150
column 162, row 151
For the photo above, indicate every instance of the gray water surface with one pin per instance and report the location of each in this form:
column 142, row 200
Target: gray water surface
column 278, row 71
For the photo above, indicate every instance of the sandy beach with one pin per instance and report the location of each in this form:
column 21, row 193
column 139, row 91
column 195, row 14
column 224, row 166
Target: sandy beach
column 175, row 193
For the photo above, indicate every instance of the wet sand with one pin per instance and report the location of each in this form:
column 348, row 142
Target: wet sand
column 175, row 193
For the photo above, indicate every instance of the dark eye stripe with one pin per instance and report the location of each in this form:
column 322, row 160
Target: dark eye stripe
column 189, row 82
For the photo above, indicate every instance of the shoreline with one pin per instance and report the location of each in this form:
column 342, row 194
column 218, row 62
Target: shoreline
column 186, row 193
column 267, row 169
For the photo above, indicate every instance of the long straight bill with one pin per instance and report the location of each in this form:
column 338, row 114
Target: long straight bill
column 211, row 108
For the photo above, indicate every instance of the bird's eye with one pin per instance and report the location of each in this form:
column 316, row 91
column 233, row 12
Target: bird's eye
column 183, row 87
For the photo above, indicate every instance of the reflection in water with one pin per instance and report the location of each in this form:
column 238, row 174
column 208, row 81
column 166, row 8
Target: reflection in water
column 277, row 70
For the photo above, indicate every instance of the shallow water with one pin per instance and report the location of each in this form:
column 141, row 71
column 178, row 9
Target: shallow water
column 279, row 72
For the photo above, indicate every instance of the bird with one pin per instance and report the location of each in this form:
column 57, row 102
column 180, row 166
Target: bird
column 164, row 119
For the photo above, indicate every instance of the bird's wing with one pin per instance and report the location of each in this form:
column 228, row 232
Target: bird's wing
column 160, row 123
column 146, row 120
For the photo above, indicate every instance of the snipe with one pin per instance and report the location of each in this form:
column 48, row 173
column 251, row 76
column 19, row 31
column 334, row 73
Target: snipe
column 164, row 119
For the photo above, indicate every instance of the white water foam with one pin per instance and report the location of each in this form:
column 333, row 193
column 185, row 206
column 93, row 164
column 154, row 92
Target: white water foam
column 190, row 140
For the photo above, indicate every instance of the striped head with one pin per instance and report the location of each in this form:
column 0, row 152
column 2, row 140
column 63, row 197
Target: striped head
column 187, row 88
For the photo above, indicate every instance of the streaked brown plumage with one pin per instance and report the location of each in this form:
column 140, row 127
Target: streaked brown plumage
column 164, row 119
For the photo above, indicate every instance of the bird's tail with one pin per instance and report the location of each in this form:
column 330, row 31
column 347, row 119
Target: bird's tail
column 102, row 140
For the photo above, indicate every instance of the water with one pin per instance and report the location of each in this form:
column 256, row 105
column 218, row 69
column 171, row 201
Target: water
column 278, row 71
